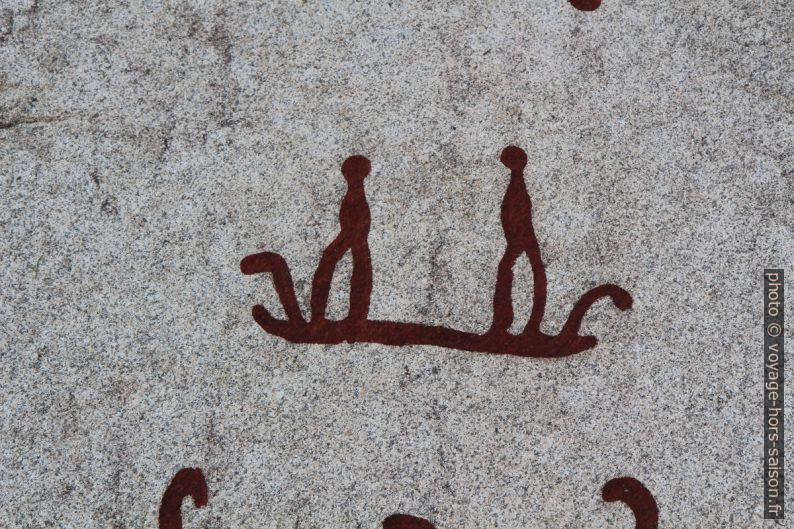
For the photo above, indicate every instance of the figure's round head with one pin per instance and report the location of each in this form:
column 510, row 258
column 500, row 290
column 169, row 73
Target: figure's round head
column 356, row 168
column 514, row 158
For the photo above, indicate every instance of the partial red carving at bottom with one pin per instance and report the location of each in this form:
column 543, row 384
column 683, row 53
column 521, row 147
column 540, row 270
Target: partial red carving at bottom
column 190, row 482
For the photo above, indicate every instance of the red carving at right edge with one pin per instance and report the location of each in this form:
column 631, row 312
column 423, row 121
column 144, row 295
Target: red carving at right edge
column 186, row 482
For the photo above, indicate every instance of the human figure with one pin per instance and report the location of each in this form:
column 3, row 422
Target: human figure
column 354, row 222
column 517, row 226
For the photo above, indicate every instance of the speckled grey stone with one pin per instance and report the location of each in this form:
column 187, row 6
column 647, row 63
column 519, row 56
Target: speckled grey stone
column 146, row 147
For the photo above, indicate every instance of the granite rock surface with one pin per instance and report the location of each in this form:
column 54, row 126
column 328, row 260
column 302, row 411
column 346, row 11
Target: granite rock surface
column 146, row 147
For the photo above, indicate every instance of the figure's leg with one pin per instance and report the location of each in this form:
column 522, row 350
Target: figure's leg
column 538, row 287
column 360, row 283
column 321, row 284
column 282, row 280
column 503, row 294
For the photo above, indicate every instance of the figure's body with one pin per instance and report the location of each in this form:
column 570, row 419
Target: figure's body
column 354, row 222
column 517, row 225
